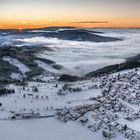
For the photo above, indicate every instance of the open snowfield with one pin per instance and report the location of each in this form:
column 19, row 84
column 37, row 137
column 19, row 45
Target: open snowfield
column 43, row 129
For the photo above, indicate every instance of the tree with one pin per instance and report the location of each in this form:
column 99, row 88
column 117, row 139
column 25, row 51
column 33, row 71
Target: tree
column 35, row 89
column 23, row 88
column 37, row 97
column 46, row 97
column 56, row 85
column 24, row 95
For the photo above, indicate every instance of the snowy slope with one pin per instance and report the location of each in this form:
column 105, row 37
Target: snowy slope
column 23, row 68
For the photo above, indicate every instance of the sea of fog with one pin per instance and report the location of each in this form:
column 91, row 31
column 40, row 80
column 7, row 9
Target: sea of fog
column 83, row 57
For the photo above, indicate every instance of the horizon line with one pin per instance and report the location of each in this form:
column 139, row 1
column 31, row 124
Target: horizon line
column 26, row 28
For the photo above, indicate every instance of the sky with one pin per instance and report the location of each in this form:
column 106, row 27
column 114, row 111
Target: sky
column 79, row 13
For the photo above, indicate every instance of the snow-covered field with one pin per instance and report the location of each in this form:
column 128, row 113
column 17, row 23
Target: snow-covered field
column 53, row 97
column 44, row 129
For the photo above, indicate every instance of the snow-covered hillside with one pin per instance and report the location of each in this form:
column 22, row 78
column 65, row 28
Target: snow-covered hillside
column 49, row 88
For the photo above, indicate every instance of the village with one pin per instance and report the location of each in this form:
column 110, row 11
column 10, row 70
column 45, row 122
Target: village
column 99, row 104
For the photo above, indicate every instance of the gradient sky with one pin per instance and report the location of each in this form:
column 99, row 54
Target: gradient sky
column 81, row 13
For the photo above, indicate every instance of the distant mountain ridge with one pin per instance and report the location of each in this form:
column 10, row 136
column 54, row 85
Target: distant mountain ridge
column 64, row 33
column 80, row 35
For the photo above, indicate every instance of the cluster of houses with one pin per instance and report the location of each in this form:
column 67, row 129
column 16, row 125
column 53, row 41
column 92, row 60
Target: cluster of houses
column 73, row 113
column 103, row 120
column 119, row 93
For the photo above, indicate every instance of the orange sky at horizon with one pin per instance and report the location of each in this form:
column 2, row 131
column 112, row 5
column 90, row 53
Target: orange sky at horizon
column 44, row 23
column 76, row 13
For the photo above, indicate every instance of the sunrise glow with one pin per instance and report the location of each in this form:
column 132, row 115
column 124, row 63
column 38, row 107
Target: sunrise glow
column 77, row 13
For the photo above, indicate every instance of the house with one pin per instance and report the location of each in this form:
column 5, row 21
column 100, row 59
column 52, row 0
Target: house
column 29, row 115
